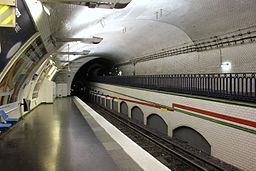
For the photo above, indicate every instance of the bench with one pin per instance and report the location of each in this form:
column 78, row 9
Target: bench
column 6, row 118
column 4, row 126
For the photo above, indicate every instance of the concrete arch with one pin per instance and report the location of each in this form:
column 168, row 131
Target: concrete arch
column 98, row 99
column 114, row 105
column 137, row 115
column 108, row 103
column 193, row 137
column 124, row 108
column 102, row 101
column 155, row 122
column 95, row 98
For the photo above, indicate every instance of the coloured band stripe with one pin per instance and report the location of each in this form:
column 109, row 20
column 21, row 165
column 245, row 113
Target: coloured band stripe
column 206, row 113
column 7, row 16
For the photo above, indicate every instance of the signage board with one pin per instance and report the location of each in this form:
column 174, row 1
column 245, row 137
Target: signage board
column 12, row 39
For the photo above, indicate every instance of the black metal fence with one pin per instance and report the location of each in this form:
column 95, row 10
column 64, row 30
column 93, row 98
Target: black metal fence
column 237, row 86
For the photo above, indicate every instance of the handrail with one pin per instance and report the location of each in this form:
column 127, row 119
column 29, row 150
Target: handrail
column 232, row 86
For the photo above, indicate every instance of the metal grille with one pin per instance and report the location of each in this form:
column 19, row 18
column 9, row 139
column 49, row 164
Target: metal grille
column 234, row 86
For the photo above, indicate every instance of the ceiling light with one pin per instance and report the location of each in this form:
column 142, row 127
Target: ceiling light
column 36, row 9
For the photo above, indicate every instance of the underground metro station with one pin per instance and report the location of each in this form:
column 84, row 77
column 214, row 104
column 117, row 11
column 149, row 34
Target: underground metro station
column 129, row 85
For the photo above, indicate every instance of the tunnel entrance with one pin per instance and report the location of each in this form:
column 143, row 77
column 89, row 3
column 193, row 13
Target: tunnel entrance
column 90, row 70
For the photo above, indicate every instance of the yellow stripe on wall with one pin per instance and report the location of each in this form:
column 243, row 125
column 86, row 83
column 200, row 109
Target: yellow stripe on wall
column 8, row 19
column 7, row 16
column 3, row 8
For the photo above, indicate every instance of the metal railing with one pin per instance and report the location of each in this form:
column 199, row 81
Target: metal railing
column 235, row 86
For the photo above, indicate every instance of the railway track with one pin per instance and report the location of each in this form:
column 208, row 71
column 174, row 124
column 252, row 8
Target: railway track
column 175, row 156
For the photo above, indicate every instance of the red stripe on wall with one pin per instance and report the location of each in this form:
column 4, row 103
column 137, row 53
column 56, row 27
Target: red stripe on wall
column 137, row 102
column 217, row 115
column 145, row 104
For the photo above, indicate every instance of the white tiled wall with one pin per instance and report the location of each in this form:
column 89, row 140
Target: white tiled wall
column 242, row 59
column 229, row 144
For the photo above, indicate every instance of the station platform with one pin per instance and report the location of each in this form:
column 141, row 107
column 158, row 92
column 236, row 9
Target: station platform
column 70, row 136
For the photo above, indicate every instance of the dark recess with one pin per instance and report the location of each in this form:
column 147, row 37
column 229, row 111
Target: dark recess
column 92, row 69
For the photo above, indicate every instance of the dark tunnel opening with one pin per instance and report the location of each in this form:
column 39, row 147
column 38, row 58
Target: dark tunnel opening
column 91, row 69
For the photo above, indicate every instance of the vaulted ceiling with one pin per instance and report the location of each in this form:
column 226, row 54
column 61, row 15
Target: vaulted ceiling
column 143, row 27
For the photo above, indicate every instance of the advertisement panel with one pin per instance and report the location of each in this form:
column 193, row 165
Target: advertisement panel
column 19, row 72
column 12, row 39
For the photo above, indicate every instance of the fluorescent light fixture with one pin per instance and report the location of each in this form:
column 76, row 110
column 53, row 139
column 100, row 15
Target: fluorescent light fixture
column 226, row 66
column 54, row 72
column 35, row 8
column 47, row 11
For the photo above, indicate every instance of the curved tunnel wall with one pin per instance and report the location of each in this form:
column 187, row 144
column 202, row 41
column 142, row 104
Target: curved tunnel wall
column 147, row 36
column 92, row 68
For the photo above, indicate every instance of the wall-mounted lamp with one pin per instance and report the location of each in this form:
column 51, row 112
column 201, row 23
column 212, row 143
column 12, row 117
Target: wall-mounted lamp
column 226, row 66
column 120, row 73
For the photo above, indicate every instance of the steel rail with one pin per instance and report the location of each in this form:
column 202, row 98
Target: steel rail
column 132, row 126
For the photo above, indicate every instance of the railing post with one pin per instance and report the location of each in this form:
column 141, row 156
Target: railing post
column 251, row 86
column 209, row 85
column 230, row 86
